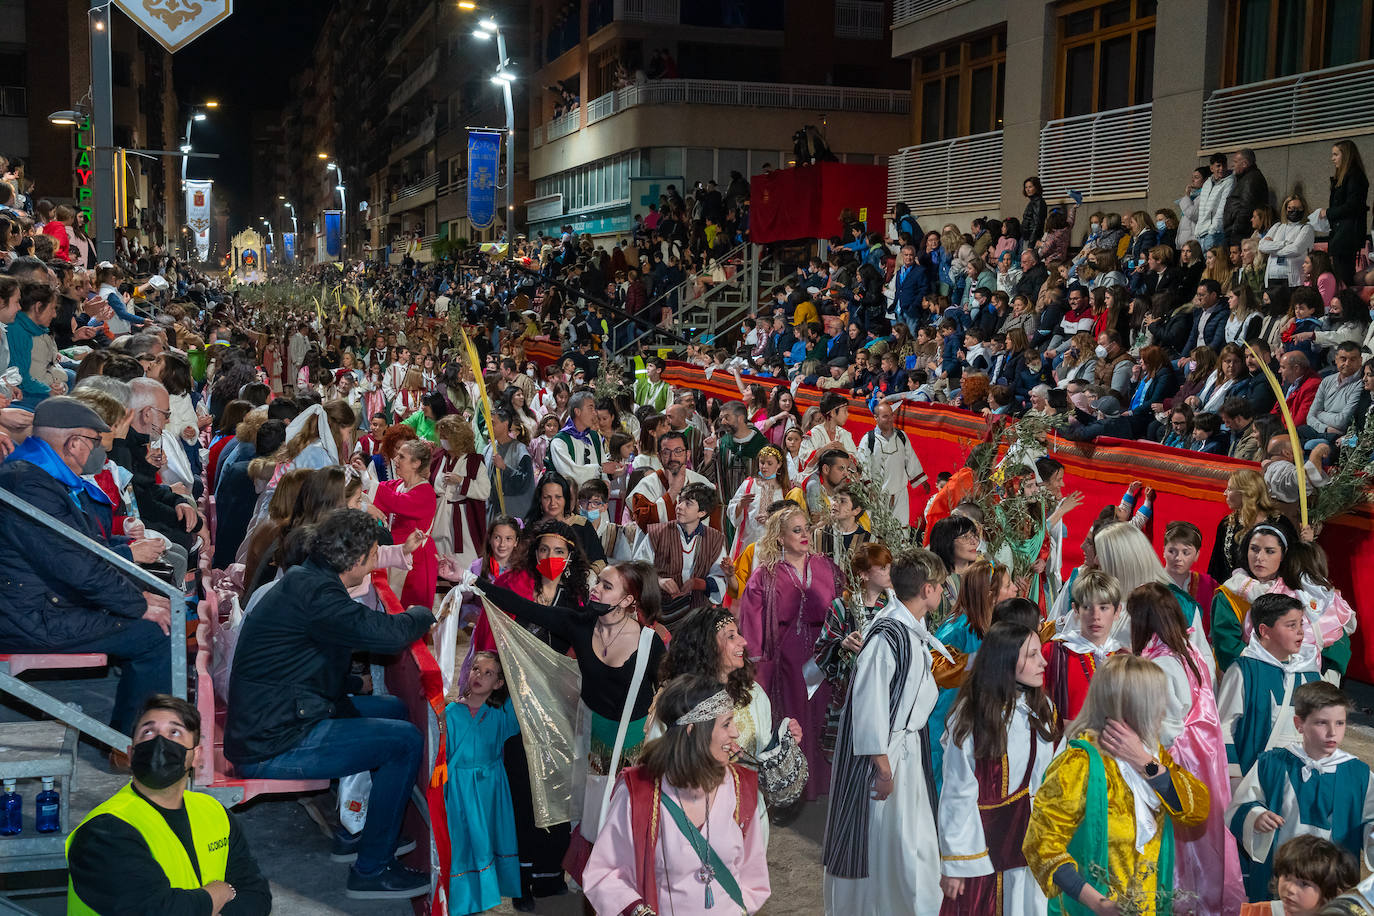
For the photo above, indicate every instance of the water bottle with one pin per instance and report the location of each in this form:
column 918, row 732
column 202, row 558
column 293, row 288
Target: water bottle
column 11, row 811
column 48, row 805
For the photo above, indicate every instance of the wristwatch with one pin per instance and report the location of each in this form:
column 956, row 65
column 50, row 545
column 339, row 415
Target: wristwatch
column 1152, row 769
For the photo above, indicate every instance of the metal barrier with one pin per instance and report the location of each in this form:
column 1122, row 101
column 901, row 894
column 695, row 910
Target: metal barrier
column 65, row 712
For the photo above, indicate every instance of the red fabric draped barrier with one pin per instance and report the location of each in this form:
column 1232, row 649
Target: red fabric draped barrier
column 805, row 202
column 1188, row 485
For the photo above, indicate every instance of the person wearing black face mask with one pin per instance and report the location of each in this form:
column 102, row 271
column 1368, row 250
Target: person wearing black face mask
column 57, row 597
column 158, row 847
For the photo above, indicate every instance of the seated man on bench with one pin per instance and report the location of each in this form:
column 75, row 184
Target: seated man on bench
column 291, row 715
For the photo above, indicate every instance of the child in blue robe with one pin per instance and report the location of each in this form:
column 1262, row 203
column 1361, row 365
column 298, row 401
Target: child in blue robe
column 1255, row 702
column 1309, row 788
column 481, row 822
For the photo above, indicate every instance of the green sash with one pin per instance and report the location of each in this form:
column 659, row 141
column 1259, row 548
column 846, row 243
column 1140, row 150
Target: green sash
column 694, row 837
column 1089, row 844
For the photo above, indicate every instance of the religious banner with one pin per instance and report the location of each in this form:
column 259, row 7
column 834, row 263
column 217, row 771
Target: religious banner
column 333, row 232
column 288, row 247
column 176, row 23
column 198, row 214
column 484, row 161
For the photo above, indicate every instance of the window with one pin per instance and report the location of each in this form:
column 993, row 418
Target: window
column 959, row 87
column 1106, row 55
column 1268, row 39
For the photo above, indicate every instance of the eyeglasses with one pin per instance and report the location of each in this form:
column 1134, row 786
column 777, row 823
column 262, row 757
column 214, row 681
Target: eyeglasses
column 968, row 537
column 670, row 452
column 93, row 440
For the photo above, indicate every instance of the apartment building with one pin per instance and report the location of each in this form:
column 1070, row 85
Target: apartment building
column 1122, row 99
column 693, row 91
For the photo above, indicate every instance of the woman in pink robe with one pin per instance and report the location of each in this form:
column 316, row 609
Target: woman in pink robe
column 781, row 613
column 407, row 504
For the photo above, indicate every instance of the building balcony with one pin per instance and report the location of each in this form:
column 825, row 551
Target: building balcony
column 414, row 196
column 1318, row 105
column 655, row 12
column 1105, row 154
column 728, row 93
column 947, row 175
column 908, row 11
column 422, row 22
column 14, row 102
column 859, row 19
column 420, row 137
column 419, row 78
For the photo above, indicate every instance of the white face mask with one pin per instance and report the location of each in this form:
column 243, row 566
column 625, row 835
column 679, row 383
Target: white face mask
column 1101, row 351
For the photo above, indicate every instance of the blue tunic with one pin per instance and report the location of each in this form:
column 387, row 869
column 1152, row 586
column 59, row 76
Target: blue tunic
column 1263, row 692
column 957, row 634
column 481, row 822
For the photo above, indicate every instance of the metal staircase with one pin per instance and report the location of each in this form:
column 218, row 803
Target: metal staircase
column 708, row 318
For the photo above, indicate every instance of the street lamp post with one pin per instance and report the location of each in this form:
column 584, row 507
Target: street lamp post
column 287, row 204
column 504, row 77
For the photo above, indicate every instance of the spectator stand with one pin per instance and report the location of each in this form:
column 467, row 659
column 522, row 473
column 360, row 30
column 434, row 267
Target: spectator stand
column 1188, row 485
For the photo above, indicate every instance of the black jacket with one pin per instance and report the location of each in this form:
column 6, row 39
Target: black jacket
column 291, row 662
column 1172, row 333
column 53, row 594
column 157, row 504
column 1348, row 212
column 1033, row 220
column 1117, row 427
column 1248, row 192
column 1030, row 283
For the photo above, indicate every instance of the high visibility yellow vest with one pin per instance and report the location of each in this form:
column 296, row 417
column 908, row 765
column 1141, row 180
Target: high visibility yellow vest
column 209, row 833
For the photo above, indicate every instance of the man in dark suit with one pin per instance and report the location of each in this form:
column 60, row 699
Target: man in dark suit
column 1209, row 321
column 909, row 287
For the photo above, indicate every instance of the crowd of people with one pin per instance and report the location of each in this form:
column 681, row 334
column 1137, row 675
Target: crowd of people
column 752, row 606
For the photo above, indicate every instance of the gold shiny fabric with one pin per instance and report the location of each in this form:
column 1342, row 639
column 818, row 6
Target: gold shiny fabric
column 1059, row 806
column 545, row 687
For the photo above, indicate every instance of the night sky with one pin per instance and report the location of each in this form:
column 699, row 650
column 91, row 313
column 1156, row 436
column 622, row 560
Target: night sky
column 246, row 63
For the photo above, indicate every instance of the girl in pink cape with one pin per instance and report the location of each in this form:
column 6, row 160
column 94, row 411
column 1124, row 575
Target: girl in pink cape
column 1205, row 860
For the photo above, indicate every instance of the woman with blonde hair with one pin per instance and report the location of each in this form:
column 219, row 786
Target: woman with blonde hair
column 459, row 476
column 408, row 504
column 320, row 437
column 1219, row 267
column 1101, row 831
column 1078, row 360
column 781, row 612
column 1247, row 496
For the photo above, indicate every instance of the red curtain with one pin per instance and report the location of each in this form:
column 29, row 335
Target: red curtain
column 805, row 202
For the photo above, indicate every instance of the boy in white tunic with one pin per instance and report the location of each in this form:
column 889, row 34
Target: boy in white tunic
column 881, row 853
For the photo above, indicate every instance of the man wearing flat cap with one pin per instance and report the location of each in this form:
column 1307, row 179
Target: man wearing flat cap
column 56, row 596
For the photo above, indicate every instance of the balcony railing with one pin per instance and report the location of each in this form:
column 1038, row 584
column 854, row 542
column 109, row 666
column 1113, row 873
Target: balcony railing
column 14, row 102
column 1320, row 102
column 658, row 12
column 947, row 175
column 904, row 11
column 406, row 195
column 726, row 92
column 416, row 138
column 861, row 19
column 457, row 186
column 418, row 79
column 1103, row 154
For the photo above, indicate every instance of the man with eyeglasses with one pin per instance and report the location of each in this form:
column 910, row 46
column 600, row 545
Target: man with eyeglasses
column 654, row 498
column 57, row 596
column 163, row 509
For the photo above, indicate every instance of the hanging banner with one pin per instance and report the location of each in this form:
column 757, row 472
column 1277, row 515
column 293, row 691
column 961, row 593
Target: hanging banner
column 484, row 161
column 333, row 232
column 176, row 23
column 288, row 247
column 198, row 214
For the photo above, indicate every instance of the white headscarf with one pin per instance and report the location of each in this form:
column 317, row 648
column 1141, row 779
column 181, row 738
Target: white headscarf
column 316, row 413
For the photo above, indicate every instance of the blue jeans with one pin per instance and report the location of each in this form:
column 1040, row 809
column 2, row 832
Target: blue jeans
column 1212, row 240
column 383, row 741
column 142, row 650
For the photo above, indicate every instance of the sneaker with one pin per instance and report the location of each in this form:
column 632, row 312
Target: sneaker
column 523, row 904
column 394, row 882
column 345, row 849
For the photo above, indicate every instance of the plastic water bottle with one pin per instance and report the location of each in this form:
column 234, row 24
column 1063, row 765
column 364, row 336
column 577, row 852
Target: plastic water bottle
column 11, row 811
column 49, row 807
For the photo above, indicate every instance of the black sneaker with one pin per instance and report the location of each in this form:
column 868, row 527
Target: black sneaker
column 394, row 882
column 345, row 849
column 523, row 904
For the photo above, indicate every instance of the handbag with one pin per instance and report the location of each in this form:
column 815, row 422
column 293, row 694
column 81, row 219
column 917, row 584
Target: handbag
column 782, row 769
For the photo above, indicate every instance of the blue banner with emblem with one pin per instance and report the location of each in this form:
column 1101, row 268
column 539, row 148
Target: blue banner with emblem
column 288, row 247
column 333, row 232
column 484, row 163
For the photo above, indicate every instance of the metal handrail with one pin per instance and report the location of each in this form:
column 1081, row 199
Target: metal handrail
column 133, row 571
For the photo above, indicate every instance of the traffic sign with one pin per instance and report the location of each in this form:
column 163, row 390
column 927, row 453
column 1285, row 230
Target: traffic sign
column 176, row 23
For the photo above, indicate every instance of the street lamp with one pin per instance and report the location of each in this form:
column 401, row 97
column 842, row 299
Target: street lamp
column 504, row 76
column 68, row 117
column 287, row 204
column 271, row 237
column 197, row 115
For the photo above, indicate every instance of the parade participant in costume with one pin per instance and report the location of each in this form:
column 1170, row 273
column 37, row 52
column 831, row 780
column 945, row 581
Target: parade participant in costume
column 481, row 820
column 577, row 451
column 1101, row 832
column 1126, row 554
column 272, row 365
column 1002, row 736
column 881, row 854
column 1255, row 703
column 1205, row 859
column 408, row 504
column 832, row 467
column 1266, row 567
column 654, row 498
column 617, row 541
column 748, row 509
column 607, row 637
column 1079, row 649
column 407, row 400
column 839, row 531
column 682, row 835
column 834, row 414
column 459, row 477
column 842, row 634
column 375, row 402
column 553, row 500
column 1309, row 787
column 1309, row 873
column 956, row 541
column 1029, row 541
column 737, row 448
column 781, row 612
column 650, row 388
column 394, row 375
column 688, row 555
column 425, row 420
column 1247, row 496
column 887, row 458
column 1182, row 547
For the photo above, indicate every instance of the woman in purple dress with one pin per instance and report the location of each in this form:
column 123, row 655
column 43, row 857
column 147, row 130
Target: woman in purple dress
column 781, row 614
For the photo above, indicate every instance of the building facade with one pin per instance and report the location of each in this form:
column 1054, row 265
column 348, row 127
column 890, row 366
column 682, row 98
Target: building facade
column 691, row 91
column 1122, row 99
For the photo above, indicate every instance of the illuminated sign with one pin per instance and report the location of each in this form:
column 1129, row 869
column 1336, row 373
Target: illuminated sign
column 85, row 168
